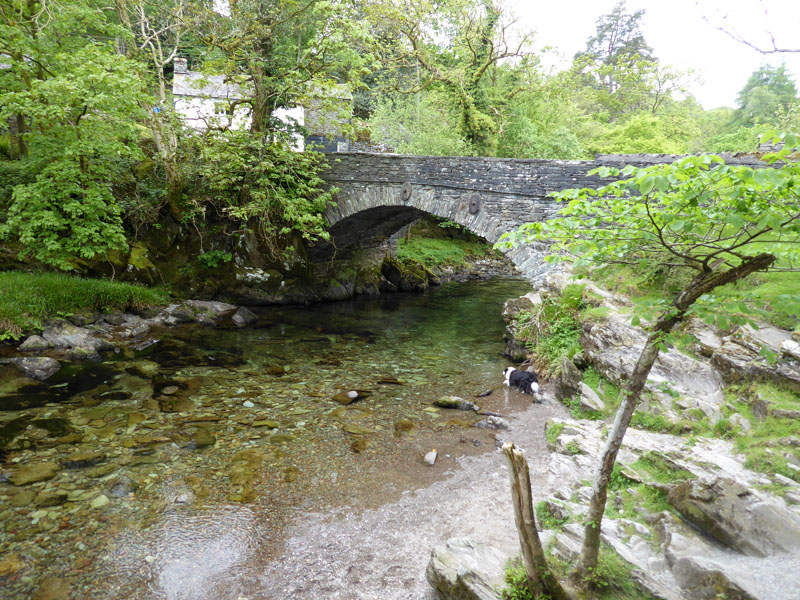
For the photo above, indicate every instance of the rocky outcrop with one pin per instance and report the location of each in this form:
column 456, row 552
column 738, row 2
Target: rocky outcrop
column 731, row 538
column 737, row 516
column 612, row 347
column 461, row 569
column 742, row 356
column 514, row 312
column 568, row 382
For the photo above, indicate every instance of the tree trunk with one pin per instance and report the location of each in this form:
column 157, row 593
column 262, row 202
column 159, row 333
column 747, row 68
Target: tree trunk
column 540, row 577
column 703, row 283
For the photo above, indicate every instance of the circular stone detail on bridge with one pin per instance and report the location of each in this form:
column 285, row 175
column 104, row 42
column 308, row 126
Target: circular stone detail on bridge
column 474, row 203
column 405, row 192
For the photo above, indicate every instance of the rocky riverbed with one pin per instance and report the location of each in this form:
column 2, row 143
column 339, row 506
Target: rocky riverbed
column 177, row 466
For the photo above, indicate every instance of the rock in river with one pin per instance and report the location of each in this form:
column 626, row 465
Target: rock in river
column 40, row 367
column 456, row 402
column 34, row 343
column 346, row 397
column 34, row 473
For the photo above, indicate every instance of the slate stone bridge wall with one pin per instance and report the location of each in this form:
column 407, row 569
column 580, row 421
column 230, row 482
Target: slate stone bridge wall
column 381, row 193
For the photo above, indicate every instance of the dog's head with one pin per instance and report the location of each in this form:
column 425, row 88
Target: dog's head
column 508, row 371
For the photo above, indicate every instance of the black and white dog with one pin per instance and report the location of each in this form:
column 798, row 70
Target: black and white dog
column 524, row 381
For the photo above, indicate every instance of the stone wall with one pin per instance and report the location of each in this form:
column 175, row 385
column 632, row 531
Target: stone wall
column 381, row 193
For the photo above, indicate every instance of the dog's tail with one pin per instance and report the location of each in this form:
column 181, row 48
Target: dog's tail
column 534, row 387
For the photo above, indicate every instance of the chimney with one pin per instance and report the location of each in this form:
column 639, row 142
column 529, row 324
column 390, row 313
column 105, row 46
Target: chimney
column 180, row 66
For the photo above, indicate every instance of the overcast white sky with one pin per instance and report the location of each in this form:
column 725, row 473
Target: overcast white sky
column 679, row 35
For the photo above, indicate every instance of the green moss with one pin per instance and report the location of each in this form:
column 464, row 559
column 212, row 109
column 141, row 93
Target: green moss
column 553, row 431
column 138, row 257
column 29, row 299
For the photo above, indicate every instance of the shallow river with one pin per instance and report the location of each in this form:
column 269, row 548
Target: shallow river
column 175, row 469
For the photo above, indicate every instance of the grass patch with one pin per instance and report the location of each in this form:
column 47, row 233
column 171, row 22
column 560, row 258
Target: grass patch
column 765, row 446
column 657, row 423
column 608, row 391
column 516, row 582
column 547, row 519
column 432, row 252
column 772, row 297
column 612, row 580
column 29, row 299
column 433, row 242
column 551, row 434
column 660, row 468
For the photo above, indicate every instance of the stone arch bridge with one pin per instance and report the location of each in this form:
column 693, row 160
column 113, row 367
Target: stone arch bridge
column 381, row 193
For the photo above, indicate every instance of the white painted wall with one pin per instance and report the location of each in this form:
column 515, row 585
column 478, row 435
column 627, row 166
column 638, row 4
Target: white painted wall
column 203, row 102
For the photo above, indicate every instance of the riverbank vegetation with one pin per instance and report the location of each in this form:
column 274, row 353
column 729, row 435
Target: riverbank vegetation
column 28, row 299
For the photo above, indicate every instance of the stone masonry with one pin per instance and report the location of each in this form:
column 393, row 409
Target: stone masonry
column 380, row 193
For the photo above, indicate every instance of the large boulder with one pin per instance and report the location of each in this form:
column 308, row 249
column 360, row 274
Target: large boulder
column 40, row 367
column 700, row 568
column 590, row 400
column 34, row 343
column 462, row 569
column 63, row 334
column 568, row 383
column 737, row 516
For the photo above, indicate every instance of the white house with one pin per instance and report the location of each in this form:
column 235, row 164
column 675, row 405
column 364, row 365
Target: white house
column 206, row 101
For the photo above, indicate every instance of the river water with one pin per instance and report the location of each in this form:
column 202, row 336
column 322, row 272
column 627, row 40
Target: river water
column 179, row 467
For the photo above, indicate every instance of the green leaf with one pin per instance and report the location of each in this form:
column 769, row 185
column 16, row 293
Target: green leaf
column 636, row 321
column 646, row 184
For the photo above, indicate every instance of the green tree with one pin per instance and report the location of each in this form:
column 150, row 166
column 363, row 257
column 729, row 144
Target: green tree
column 423, row 124
column 454, row 46
column 75, row 101
column 263, row 188
column 538, row 116
column 284, row 53
column 717, row 221
column 768, row 90
column 153, row 33
column 617, row 62
column 621, row 71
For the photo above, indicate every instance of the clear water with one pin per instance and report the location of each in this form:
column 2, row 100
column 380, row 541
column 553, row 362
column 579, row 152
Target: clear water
column 206, row 444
